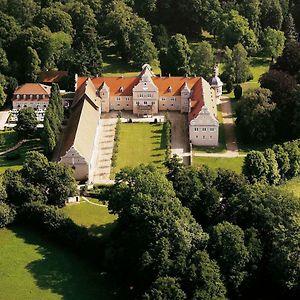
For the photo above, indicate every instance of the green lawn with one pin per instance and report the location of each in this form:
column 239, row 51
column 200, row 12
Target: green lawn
column 96, row 218
column 234, row 164
column 292, row 186
column 33, row 268
column 140, row 143
column 16, row 164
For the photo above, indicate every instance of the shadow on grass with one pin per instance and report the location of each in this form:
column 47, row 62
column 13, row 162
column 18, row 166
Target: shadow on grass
column 102, row 230
column 63, row 272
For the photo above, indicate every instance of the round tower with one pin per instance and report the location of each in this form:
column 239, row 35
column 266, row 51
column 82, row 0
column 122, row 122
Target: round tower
column 216, row 84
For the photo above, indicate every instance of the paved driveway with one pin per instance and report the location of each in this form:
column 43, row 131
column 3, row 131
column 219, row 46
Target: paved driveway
column 180, row 135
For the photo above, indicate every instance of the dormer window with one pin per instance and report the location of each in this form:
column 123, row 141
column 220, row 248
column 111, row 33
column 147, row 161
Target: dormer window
column 169, row 89
column 122, row 89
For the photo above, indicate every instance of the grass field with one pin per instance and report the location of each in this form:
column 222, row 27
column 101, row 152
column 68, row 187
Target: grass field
column 96, row 218
column 32, row 268
column 140, row 143
column 8, row 139
column 234, row 164
column 292, row 186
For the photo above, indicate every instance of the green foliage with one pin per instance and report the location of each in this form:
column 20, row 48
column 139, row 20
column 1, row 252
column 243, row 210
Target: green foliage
column 273, row 42
column 202, row 60
column 53, row 119
column 27, row 122
column 273, row 175
column 176, row 58
column 256, row 115
column 167, row 127
column 237, row 65
column 227, row 247
column 255, row 167
column 271, row 14
column 7, row 215
column 2, row 96
column 32, row 65
column 39, row 180
column 116, row 143
column 238, row 92
column 165, row 288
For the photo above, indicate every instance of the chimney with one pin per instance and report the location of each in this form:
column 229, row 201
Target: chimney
column 169, row 75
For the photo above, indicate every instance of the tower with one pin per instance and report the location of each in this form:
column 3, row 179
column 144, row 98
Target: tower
column 216, row 84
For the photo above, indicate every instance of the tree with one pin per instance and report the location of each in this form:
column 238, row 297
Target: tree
column 227, row 247
column 251, row 10
column 292, row 148
column 175, row 60
column 273, row 42
column 27, row 122
column 273, row 175
column 9, row 30
column 165, row 288
column 32, row 65
column 142, row 48
column 289, row 28
column 238, row 92
column 255, row 167
column 3, row 61
column 202, row 60
column 271, row 14
column 235, row 29
column 283, row 161
column 289, row 61
column 296, row 112
column 237, row 66
column 256, row 115
column 23, row 10
column 7, row 215
column 281, row 84
column 2, row 96
column 203, row 278
column 56, row 19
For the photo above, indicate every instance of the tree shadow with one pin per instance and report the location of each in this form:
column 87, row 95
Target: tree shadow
column 63, row 272
column 102, row 230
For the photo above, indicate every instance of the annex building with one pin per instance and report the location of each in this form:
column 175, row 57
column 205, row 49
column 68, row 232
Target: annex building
column 145, row 94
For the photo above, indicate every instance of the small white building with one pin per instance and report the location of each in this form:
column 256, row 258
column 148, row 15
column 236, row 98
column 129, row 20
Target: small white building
column 216, row 84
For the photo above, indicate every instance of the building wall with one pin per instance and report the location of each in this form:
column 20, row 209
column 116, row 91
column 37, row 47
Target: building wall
column 80, row 166
column 170, row 103
column 20, row 104
column 121, row 103
column 204, row 135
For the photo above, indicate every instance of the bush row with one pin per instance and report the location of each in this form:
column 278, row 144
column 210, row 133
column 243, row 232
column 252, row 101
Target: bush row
column 167, row 133
column 7, row 214
column 274, row 165
column 116, row 143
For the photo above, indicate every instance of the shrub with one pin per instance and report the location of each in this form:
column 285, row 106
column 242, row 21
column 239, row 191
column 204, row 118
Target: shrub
column 238, row 92
column 13, row 156
column 229, row 86
column 7, row 214
column 116, row 143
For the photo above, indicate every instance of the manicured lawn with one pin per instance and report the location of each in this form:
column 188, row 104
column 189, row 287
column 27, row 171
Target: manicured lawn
column 96, row 218
column 33, row 268
column 140, row 143
column 234, row 164
column 292, row 186
column 16, row 164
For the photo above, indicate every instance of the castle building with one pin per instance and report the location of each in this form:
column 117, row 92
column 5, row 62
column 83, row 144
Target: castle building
column 145, row 94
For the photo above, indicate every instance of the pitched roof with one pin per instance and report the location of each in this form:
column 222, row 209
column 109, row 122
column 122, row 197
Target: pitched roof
column 52, row 76
column 88, row 90
column 81, row 130
column 128, row 83
column 33, row 89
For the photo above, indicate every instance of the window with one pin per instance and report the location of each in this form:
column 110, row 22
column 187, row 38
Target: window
column 118, row 98
column 196, row 129
column 172, row 104
column 211, row 129
column 173, row 99
column 145, row 102
column 210, row 137
column 203, row 129
column 127, row 98
column 196, row 136
column 163, row 99
column 203, row 137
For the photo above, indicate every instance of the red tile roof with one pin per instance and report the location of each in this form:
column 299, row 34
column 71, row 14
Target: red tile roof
column 33, row 89
column 52, row 76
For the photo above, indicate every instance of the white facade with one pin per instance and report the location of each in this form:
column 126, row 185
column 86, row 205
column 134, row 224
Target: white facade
column 204, row 129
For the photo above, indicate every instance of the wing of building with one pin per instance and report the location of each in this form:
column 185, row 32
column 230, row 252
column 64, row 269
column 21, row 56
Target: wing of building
column 148, row 94
column 80, row 143
column 35, row 95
